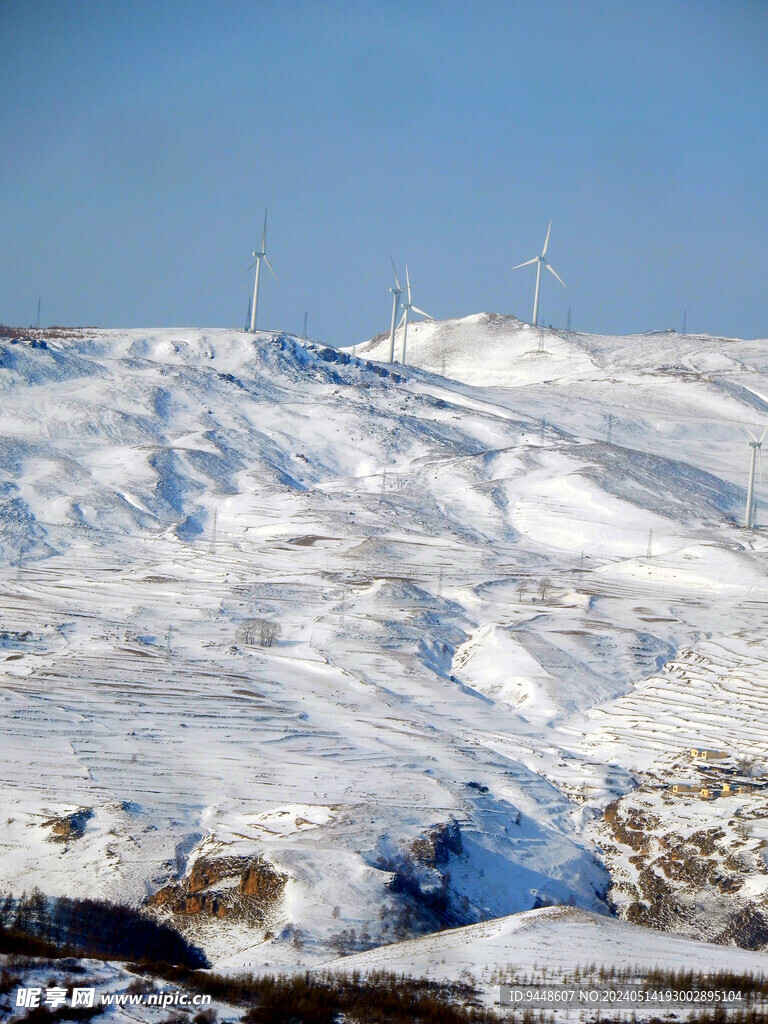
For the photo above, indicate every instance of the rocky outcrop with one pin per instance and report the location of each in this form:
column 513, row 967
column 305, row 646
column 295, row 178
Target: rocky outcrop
column 748, row 929
column 246, row 888
column 69, row 826
column 420, row 882
column 434, row 848
column 680, row 868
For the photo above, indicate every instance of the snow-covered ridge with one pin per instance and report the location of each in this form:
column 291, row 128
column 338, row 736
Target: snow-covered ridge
column 554, row 940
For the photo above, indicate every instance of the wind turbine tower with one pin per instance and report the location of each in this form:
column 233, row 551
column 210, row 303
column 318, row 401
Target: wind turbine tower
column 261, row 255
column 540, row 261
column 755, row 445
column 396, row 292
column 407, row 307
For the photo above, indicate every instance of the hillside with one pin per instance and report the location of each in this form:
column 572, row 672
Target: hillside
column 538, row 942
column 472, row 628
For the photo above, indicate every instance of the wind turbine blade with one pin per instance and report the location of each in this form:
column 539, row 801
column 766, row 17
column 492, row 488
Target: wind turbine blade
column 421, row 312
column 264, row 233
column 397, row 279
column 408, row 283
column 251, row 266
column 266, row 260
column 546, row 240
column 763, row 435
column 527, row 263
column 553, row 271
column 401, row 320
column 751, row 435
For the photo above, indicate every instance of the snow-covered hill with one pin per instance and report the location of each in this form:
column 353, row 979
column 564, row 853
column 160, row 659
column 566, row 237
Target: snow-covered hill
column 460, row 569
column 550, row 943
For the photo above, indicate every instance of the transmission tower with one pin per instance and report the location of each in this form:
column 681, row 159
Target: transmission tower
column 212, row 545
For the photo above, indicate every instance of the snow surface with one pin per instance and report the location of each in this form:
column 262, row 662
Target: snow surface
column 538, row 941
column 457, row 553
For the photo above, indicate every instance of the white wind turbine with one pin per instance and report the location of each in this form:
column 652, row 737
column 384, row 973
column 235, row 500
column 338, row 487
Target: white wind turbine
column 261, row 255
column 756, row 446
column 396, row 292
column 539, row 261
column 407, row 307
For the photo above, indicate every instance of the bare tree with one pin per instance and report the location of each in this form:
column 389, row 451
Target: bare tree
column 268, row 632
column 259, row 631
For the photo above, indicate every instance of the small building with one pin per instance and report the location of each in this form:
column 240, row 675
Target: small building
column 709, row 793
column 707, row 754
column 685, row 789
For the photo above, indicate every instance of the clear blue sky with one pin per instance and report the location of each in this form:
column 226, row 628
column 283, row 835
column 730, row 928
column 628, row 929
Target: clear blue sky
column 141, row 142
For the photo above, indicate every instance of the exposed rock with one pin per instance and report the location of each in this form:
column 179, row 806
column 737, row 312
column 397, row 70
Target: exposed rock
column 421, row 883
column 748, row 929
column 434, row 848
column 705, row 882
column 69, row 826
column 227, row 887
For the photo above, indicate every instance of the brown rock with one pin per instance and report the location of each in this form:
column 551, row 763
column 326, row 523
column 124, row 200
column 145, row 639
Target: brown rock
column 252, row 887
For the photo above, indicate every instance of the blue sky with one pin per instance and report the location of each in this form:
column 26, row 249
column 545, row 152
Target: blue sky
column 142, row 142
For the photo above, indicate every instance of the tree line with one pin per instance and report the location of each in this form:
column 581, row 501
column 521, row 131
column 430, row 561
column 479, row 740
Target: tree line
column 89, row 927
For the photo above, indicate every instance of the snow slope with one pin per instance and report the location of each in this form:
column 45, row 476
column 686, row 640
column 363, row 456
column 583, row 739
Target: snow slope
column 554, row 941
column 459, row 566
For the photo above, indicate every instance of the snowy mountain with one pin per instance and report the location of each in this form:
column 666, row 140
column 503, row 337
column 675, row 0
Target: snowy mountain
column 487, row 570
